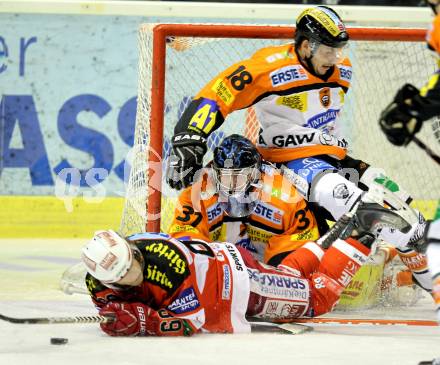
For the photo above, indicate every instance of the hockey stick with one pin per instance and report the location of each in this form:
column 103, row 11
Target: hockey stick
column 428, row 151
column 57, row 320
column 281, row 328
column 358, row 321
column 337, row 230
column 256, row 327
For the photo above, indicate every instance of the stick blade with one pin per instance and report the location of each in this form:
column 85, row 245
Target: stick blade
column 283, row 328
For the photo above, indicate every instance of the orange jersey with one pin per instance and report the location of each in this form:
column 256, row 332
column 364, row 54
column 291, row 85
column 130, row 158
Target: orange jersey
column 206, row 284
column 281, row 221
column 433, row 35
column 296, row 109
column 431, row 90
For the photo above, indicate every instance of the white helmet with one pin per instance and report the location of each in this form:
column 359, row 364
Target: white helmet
column 107, row 257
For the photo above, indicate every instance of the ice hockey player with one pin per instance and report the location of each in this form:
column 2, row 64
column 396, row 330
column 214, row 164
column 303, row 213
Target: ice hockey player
column 243, row 200
column 402, row 119
column 155, row 285
column 297, row 91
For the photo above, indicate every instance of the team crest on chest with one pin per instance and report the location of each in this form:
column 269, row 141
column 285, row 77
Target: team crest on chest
column 324, row 97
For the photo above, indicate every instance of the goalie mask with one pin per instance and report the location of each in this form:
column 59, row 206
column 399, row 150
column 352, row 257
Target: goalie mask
column 236, row 166
column 109, row 258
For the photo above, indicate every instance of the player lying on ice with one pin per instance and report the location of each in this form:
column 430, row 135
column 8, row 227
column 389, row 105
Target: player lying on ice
column 155, row 285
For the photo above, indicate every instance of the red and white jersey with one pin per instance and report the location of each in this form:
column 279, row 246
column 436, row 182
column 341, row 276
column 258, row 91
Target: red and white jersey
column 204, row 283
column 296, row 109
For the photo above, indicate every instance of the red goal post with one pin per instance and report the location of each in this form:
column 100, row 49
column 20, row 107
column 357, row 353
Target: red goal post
column 161, row 46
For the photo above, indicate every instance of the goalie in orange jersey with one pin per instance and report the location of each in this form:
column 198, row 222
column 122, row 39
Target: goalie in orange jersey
column 402, row 119
column 297, row 91
column 151, row 284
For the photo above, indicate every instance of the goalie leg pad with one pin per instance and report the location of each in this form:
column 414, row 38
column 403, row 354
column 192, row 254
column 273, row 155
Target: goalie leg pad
column 343, row 259
column 418, row 265
column 338, row 266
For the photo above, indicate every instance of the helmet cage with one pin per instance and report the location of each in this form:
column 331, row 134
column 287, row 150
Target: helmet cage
column 236, row 181
column 240, row 205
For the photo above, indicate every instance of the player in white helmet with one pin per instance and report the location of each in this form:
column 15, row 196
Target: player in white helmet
column 153, row 284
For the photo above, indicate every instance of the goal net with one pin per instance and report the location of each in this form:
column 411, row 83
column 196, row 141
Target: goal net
column 177, row 60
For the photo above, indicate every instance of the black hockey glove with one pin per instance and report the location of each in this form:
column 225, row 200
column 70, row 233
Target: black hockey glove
column 186, row 158
column 400, row 120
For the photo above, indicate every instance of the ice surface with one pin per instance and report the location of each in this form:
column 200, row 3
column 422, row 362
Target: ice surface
column 29, row 277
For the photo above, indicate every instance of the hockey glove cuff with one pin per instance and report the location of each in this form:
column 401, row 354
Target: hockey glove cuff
column 137, row 319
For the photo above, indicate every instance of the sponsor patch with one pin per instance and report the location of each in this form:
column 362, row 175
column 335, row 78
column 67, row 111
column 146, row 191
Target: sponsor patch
column 340, row 191
column 268, row 212
column 258, row 235
column 345, row 73
column 214, row 212
column 324, row 97
column 226, row 291
column 279, row 286
column 187, row 301
column 235, row 256
column 287, row 75
column 89, row 263
column 308, row 167
column 204, row 117
column 290, row 140
column 319, row 120
column 108, row 261
column 328, row 20
column 297, row 101
column 175, row 228
column 168, row 254
column 223, row 92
